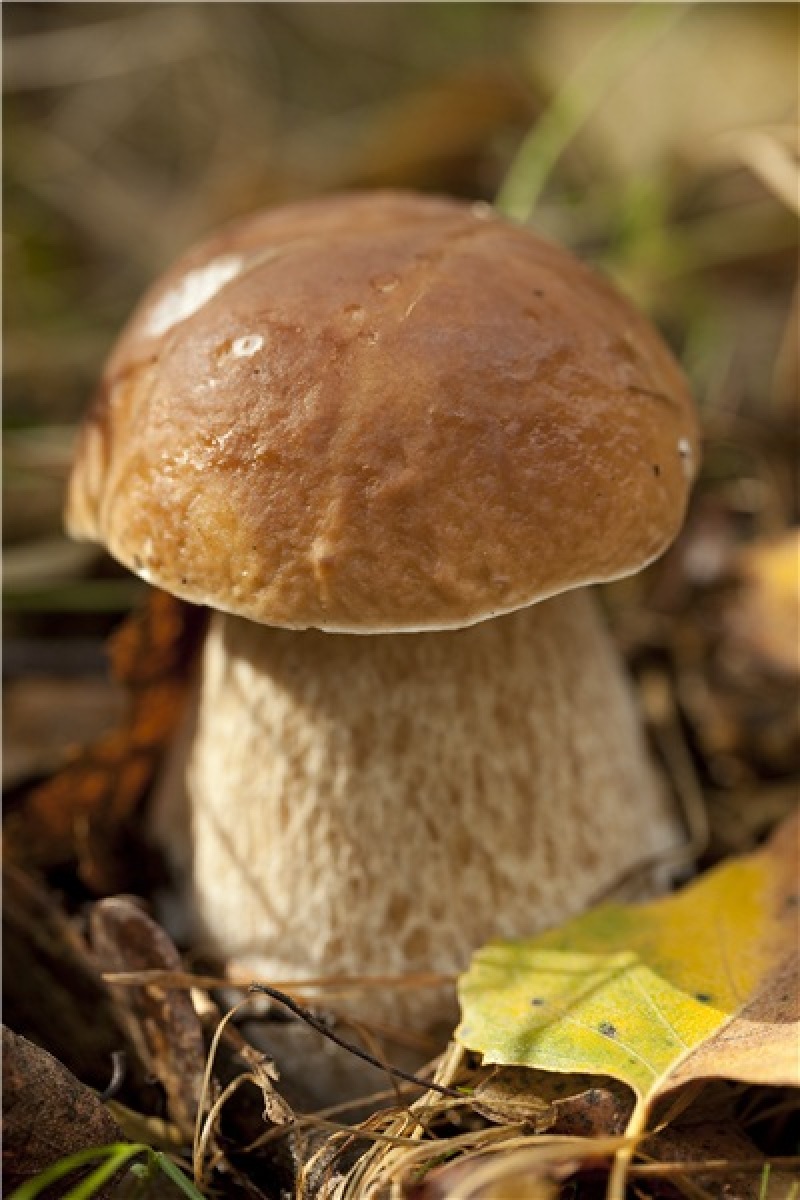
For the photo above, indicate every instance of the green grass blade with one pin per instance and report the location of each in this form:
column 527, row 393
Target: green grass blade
column 177, row 1176
column 65, row 1166
column 114, row 1163
column 630, row 38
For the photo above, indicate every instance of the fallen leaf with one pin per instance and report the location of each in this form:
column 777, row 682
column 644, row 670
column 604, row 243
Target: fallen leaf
column 760, row 1044
column 567, row 1105
column 80, row 814
column 509, row 1096
column 48, row 1114
column 161, row 1023
column 632, row 991
column 53, row 992
column 601, row 1110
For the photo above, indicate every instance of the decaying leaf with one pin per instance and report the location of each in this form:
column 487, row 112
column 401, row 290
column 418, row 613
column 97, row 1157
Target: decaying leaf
column 585, row 1106
column 631, row 992
column 36, row 1133
column 161, row 1022
column 53, row 992
column 78, row 815
column 506, row 1096
column 567, row 1105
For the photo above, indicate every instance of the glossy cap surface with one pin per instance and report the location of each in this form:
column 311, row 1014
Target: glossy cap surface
column 383, row 412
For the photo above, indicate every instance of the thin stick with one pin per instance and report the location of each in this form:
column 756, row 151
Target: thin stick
column 713, row 1166
column 181, row 980
column 322, row 1028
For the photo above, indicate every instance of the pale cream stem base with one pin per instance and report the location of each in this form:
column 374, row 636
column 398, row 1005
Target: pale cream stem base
column 346, row 805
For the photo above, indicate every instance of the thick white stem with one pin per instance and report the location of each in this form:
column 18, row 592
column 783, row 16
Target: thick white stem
column 350, row 806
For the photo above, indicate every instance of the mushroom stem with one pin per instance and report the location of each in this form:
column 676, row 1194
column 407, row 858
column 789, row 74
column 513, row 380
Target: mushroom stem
column 348, row 806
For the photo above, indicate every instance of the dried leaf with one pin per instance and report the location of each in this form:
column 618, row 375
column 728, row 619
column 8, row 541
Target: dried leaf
column 509, row 1097
column 760, row 1044
column 82, row 813
column 52, row 988
column 602, row 1109
column 161, row 1022
column 47, row 1113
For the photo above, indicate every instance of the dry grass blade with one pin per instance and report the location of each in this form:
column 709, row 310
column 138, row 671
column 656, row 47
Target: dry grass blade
column 775, row 160
column 340, row 985
column 520, row 1158
column 319, row 1176
column 370, row 1171
column 206, row 1154
column 392, row 1168
column 311, row 1120
column 716, row 1166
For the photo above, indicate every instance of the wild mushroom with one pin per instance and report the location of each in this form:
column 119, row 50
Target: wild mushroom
column 396, row 416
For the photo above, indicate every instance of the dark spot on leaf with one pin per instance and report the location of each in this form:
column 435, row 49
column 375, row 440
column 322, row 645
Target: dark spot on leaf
column 792, row 900
column 703, row 997
column 537, row 1001
column 656, row 469
column 607, row 1029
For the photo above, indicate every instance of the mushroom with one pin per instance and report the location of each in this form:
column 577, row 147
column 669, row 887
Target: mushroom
column 390, row 440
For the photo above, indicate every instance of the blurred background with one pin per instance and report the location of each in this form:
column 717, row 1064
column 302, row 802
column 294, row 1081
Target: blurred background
column 657, row 141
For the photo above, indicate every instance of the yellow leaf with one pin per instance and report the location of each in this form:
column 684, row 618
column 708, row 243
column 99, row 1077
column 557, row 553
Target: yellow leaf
column 632, row 991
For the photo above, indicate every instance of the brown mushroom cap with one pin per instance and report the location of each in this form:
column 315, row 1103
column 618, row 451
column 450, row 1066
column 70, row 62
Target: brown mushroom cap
column 383, row 412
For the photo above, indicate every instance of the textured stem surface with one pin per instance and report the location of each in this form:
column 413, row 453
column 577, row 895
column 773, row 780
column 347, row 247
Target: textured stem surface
column 355, row 805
